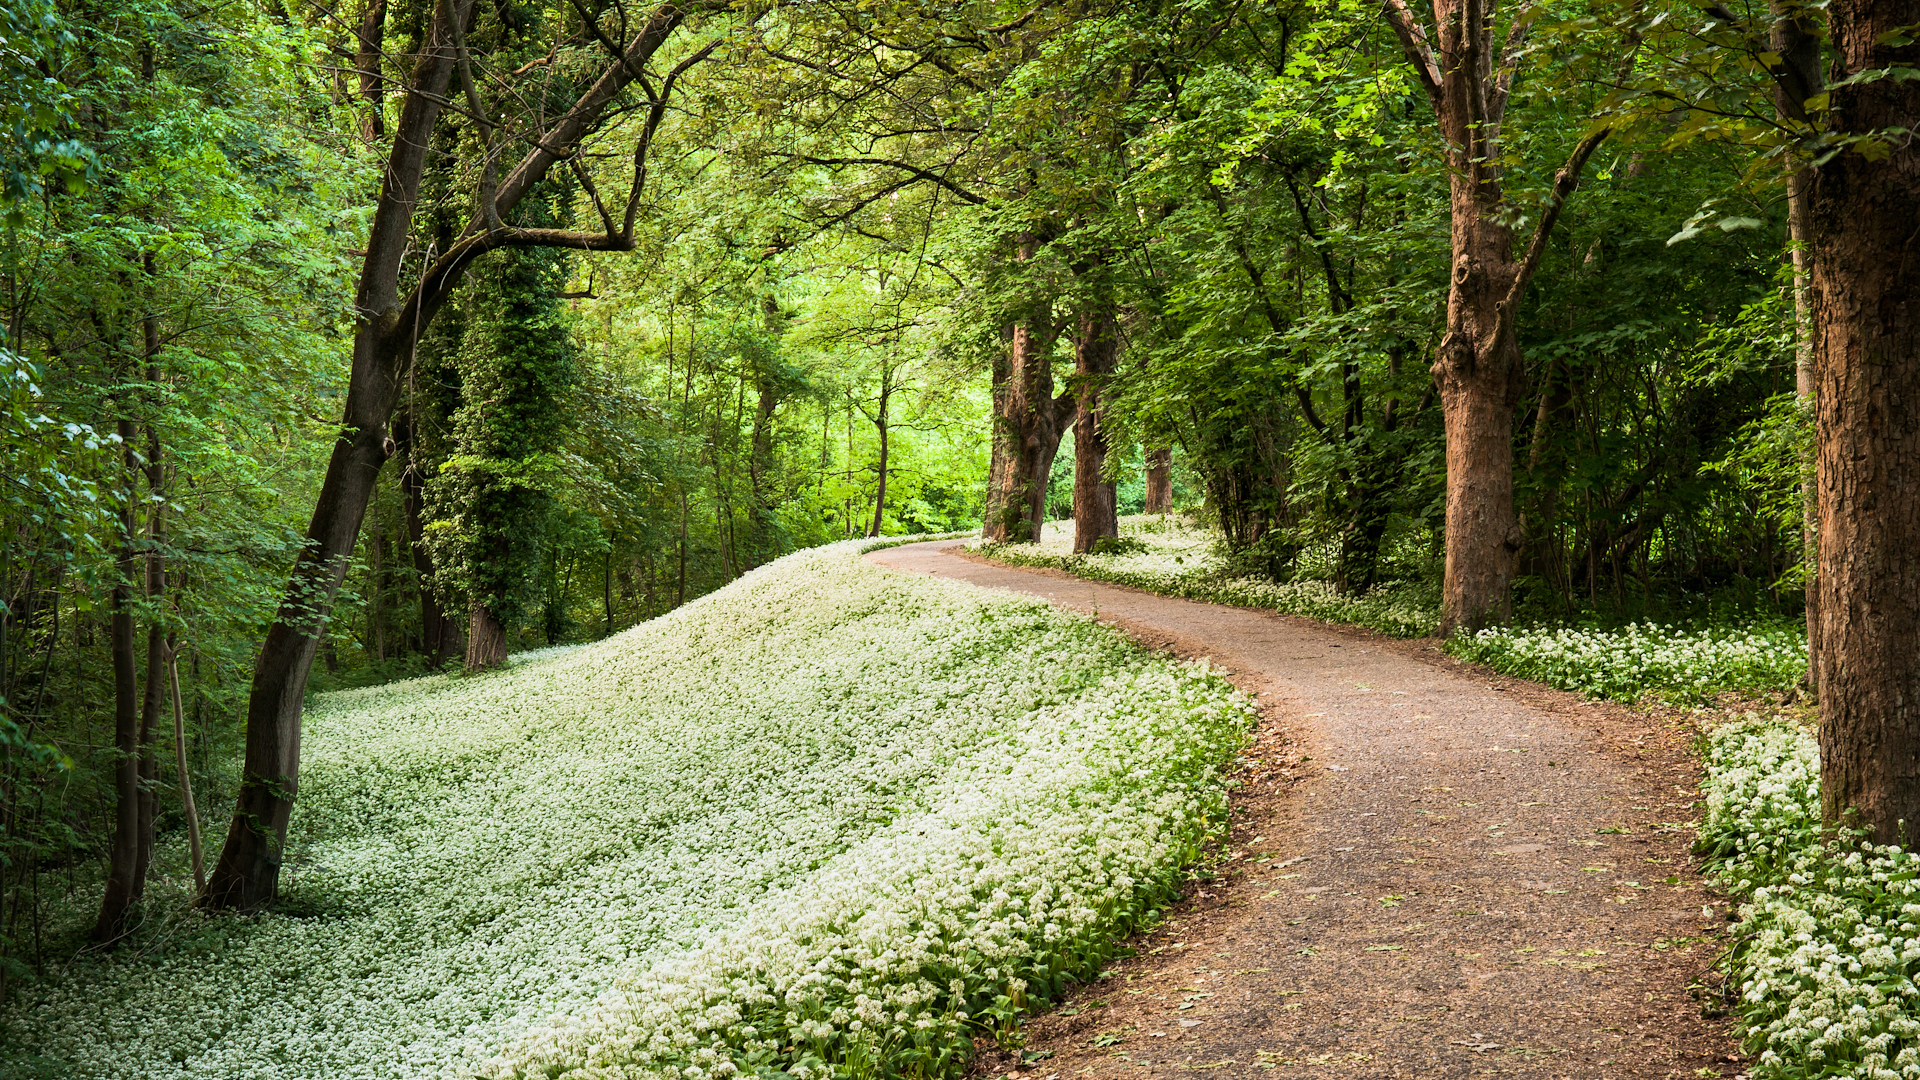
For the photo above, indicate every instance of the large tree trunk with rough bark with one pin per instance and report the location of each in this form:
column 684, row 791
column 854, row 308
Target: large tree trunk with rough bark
column 1027, row 424
column 1159, row 480
column 1477, row 370
column 1095, row 511
column 1866, row 320
column 486, row 639
column 1477, row 365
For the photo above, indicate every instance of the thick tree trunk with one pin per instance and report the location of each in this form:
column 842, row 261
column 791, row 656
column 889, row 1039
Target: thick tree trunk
column 1028, row 423
column 1477, row 364
column 1867, row 351
column 1159, row 480
column 1477, row 372
column 124, row 879
column 486, row 640
column 1095, row 514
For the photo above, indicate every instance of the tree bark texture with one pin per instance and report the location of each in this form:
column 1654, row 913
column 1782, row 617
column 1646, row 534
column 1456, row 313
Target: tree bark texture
column 246, row 876
column 1027, row 425
column 1477, row 367
column 1095, row 511
column 486, row 639
column 1159, row 480
column 1863, row 216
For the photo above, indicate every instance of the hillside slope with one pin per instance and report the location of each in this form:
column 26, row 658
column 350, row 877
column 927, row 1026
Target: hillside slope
column 825, row 786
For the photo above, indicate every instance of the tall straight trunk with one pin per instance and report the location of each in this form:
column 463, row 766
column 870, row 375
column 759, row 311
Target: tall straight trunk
column 1095, row 510
column 371, row 38
column 1796, row 39
column 1477, row 364
column 1866, row 338
column 1159, row 480
column 124, row 881
column 880, row 427
column 153, row 699
column 195, row 850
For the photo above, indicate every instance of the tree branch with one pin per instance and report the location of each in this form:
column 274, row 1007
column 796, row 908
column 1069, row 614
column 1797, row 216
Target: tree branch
column 1413, row 38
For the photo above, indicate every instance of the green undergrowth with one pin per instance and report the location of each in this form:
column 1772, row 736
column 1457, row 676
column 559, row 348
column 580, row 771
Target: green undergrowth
column 829, row 821
column 1828, row 942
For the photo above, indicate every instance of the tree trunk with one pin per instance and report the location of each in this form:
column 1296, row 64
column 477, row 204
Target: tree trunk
column 195, row 850
column 153, row 698
column 1867, row 353
column 1795, row 37
column 486, row 639
column 124, row 879
column 1477, row 365
column 247, row 875
column 1095, row 515
column 1159, row 480
column 439, row 633
column 1028, row 423
column 880, row 427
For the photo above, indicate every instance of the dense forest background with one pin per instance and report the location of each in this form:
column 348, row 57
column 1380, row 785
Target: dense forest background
column 880, row 265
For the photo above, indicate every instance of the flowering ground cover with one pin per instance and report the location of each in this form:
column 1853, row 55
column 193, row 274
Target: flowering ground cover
column 1829, row 937
column 830, row 820
column 1166, row 555
column 1644, row 658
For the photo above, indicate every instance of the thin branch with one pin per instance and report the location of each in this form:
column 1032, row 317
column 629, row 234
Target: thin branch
column 1413, row 38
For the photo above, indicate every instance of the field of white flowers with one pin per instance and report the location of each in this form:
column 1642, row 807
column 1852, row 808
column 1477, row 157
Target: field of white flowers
column 1175, row 558
column 1829, row 937
column 1644, row 658
column 831, row 820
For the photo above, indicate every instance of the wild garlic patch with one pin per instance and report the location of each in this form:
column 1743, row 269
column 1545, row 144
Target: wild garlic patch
column 1829, row 936
column 1174, row 559
column 832, row 819
column 1642, row 658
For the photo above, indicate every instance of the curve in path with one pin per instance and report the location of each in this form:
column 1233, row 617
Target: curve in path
column 1465, row 880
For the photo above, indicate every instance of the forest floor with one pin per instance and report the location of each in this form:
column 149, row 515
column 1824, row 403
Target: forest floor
column 1433, row 872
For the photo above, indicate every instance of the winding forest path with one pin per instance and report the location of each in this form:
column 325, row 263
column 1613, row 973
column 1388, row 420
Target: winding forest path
column 1434, row 872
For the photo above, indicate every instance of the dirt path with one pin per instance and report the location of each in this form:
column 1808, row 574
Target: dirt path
column 1434, row 872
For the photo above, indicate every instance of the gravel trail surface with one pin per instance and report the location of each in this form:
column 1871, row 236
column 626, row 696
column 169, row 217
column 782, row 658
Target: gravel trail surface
column 1433, row 872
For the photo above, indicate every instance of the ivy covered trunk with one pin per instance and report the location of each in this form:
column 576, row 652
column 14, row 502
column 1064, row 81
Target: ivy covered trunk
column 1095, row 510
column 493, row 499
column 1864, row 209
